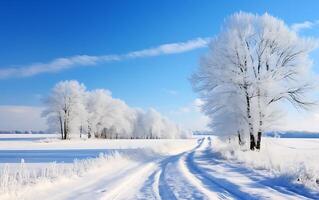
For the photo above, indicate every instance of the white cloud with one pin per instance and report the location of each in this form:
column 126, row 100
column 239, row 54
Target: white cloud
column 184, row 109
column 300, row 121
column 170, row 92
column 172, row 48
column 60, row 64
column 189, row 116
column 21, row 118
column 297, row 27
column 198, row 104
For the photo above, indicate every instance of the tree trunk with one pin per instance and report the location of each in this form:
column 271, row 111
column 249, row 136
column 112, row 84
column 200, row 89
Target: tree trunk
column 65, row 129
column 89, row 130
column 260, row 121
column 239, row 139
column 258, row 140
column 81, row 131
column 61, row 126
column 251, row 129
column 252, row 142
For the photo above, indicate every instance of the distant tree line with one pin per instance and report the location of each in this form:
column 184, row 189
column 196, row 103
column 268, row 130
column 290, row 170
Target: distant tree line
column 73, row 111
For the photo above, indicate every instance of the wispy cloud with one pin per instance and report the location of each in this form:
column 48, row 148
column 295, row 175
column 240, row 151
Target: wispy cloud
column 297, row 27
column 189, row 116
column 170, row 92
column 194, row 106
column 21, row 118
column 299, row 121
column 60, row 64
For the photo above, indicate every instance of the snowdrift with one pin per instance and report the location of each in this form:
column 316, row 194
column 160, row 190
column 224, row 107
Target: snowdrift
column 289, row 161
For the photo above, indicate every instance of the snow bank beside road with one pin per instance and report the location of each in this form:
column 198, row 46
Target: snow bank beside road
column 288, row 160
column 16, row 181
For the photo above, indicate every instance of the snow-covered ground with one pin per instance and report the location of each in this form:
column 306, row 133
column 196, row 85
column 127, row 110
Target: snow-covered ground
column 289, row 159
column 152, row 169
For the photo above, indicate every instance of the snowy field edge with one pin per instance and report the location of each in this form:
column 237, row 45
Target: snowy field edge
column 291, row 162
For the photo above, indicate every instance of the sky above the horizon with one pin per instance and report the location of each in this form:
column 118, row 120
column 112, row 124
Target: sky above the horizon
column 142, row 51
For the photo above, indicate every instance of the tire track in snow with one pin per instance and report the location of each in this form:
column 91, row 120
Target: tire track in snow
column 173, row 184
column 160, row 184
column 184, row 182
column 211, row 188
column 169, row 181
column 150, row 189
column 211, row 194
column 164, row 189
column 214, row 185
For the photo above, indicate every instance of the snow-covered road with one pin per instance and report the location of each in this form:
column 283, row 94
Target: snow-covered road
column 194, row 174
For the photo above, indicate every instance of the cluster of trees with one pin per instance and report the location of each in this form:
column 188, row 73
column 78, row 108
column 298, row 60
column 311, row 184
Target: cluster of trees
column 75, row 112
column 254, row 65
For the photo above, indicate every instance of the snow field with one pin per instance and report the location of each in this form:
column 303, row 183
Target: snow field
column 150, row 169
column 20, row 177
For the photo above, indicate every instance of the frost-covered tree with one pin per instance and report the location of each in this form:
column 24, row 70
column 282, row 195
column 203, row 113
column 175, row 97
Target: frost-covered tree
column 227, row 113
column 119, row 120
column 65, row 108
column 70, row 109
column 96, row 104
column 255, row 63
column 152, row 125
column 108, row 117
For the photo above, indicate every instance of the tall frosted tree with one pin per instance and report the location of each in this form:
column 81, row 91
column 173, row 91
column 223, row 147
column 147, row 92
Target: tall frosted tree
column 254, row 64
column 65, row 108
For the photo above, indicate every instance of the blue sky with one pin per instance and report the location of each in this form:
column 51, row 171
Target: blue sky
column 42, row 31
